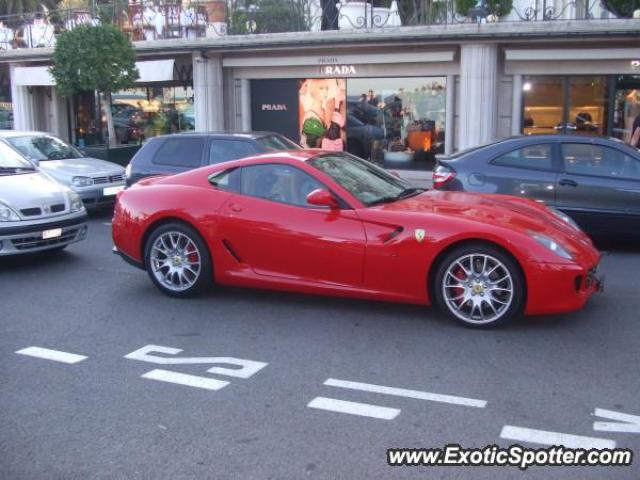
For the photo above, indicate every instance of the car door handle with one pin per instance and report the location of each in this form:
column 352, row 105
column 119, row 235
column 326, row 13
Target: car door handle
column 234, row 207
column 566, row 182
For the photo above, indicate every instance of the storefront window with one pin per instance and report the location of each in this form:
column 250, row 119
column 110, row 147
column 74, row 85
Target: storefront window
column 6, row 107
column 543, row 105
column 626, row 105
column 588, row 105
column 142, row 113
column 555, row 104
column 138, row 114
column 396, row 122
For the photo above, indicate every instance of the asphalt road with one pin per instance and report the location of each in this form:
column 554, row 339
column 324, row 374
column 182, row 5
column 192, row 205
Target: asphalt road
column 100, row 418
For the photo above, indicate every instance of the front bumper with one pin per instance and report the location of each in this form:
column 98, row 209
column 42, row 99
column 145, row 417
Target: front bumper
column 560, row 288
column 28, row 236
column 94, row 197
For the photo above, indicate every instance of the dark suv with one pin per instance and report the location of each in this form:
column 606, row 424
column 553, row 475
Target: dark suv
column 170, row 154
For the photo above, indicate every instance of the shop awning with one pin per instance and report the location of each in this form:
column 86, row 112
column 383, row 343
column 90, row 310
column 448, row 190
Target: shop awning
column 569, row 54
column 150, row 71
column 32, row 77
column 155, row 71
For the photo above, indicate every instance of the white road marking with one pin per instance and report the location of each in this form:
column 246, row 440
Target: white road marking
column 185, row 379
column 247, row 367
column 630, row 423
column 354, row 408
column 402, row 392
column 542, row 437
column 107, row 224
column 55, row 355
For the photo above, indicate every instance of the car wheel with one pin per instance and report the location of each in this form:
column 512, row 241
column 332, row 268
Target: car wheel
column 479, row 286
column 177, row 260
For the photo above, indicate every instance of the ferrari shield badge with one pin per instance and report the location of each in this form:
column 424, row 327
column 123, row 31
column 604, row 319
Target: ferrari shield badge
column 419, row 233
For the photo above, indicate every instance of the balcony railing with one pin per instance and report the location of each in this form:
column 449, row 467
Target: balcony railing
column 172, row 19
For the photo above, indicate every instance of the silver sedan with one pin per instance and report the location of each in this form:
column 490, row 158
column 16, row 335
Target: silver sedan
column 36, row 212
column 96, row 181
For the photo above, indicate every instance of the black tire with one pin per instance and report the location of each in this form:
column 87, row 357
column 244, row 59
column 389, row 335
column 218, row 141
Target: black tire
column 474, row 286
column 204, row 277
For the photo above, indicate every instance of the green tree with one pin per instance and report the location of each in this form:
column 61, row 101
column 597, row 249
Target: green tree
column 95, row 58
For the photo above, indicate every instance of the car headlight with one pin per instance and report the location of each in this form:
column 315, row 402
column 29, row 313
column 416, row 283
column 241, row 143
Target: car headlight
column 564, row 217
column 7, row 215
column 551, row 244
column 82, row 181
column 75, row 202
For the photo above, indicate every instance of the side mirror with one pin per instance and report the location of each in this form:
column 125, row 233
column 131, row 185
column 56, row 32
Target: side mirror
column 322, row 198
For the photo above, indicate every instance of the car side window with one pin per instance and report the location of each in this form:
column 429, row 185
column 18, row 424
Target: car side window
column 279, row 183
column 598, row 160
column 180, row 152
column 225, row 150
column 537, row 157
column 228, row 180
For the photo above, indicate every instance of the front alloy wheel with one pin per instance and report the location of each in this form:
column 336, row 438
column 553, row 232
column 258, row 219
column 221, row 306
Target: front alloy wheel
column 479, row 286
column 177, row 260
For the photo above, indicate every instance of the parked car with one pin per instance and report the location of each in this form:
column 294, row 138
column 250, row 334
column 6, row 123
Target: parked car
column 595, row 181
column 332, row 223
column 96, row 181
column 170, row 154
column 36, row 212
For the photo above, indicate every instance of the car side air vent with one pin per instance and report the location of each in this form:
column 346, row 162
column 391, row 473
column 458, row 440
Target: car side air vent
column 227, row 245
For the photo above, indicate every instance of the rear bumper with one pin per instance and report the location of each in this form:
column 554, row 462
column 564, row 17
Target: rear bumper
column 560, row 288
column 28, row 238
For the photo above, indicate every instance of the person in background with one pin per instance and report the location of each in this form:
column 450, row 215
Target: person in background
column 332, row 140
column 635, row 133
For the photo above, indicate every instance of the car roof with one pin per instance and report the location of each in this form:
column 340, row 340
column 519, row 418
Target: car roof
column 21, row 133
column 223, row 134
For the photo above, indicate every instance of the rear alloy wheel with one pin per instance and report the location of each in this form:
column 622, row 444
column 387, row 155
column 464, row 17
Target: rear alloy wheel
column 479, row 286
column 177, row 260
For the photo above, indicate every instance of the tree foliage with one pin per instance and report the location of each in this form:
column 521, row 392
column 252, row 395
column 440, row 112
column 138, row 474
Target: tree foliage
column 19, row 7
column 93, row 58
column 622, row 8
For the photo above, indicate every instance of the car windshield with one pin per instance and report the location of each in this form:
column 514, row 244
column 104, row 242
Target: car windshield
column 368, row 183
column 42, row 148
column 277, row 142
column 11, row 162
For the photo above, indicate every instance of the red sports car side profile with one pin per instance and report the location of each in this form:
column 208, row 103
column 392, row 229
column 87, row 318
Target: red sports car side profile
column 333, row 224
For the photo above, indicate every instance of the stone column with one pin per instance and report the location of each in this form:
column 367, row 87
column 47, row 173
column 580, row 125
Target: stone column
column 449, row 114
column 245, row 104
column 208, row 92
column 516, row 110
column 58, row 124
column 23, row 104
column 478, row 94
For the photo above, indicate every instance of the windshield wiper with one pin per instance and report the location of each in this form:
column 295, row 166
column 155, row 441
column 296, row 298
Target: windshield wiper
column 406, row 193
column 410, row 192
column 383, row 200
column 15, row 169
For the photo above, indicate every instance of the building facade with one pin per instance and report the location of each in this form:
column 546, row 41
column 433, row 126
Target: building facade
column 396, row 94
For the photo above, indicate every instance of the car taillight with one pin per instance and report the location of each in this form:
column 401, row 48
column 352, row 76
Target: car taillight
column 442, row 175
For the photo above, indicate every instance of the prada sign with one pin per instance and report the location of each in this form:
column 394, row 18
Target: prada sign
column 274, row 107
column 335, row 70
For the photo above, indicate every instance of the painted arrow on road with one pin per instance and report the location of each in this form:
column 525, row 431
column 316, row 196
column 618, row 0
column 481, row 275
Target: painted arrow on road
column 624, row 423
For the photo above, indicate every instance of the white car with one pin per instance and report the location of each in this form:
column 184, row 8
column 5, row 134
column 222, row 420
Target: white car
column 96, row 181
column 36, row 212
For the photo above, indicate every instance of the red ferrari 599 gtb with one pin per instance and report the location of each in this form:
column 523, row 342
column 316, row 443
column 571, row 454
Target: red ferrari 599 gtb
column 333, row 224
